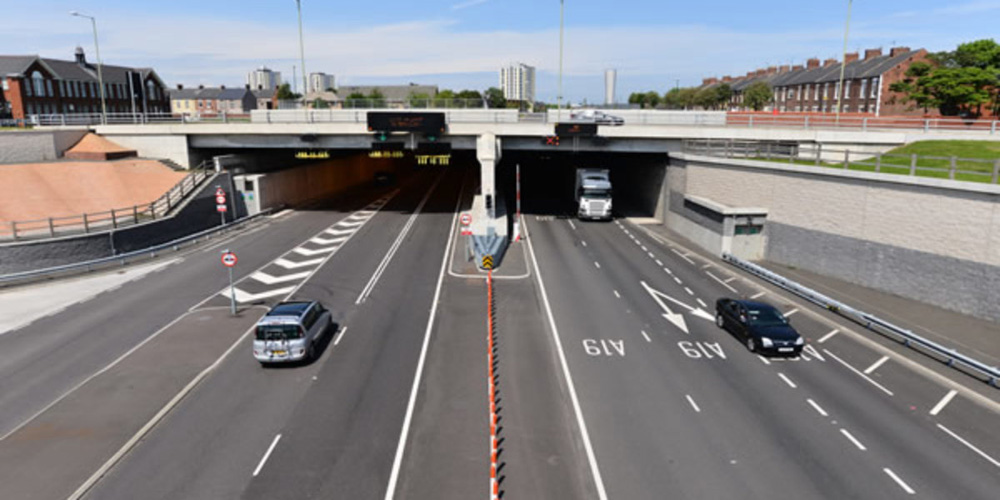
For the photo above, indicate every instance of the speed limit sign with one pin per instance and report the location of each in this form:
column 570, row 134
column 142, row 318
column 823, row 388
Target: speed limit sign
column 229, row 259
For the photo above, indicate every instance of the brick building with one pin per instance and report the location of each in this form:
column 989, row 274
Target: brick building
column 814, row 87
column 34, row 85
column 212, row 100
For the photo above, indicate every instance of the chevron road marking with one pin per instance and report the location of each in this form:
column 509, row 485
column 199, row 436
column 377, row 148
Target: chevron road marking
column 364, row 214
column 340, row 232
column 345, row 223
column 244, row 297
column 267, row 279
column 323, row 241
column 288, row 264
column 309, row 253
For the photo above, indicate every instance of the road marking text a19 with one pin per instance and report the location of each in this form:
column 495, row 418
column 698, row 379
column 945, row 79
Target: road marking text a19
column 604, row 347
column 698, row 350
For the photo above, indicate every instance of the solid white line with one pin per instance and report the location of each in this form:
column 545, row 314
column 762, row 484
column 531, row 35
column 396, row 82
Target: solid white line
column 281, row 213
column 617, row 294
column 876, row 364
column 944, row 402
column 793, row 311
column 970, row 446
column 855, row 370
column 645, row 335
column 266, row 455
column 723, row 283
column 395, row 245
column 693, row 404
column 706, row 266
column 688, row 290
column 827, row 336
column 763, row 359
column 340, row 335
column 899, row 481
column 597, row 264
column 571, row 224
column 757, row 295
column 702, row 303
column 401, row 447
column 584, row 243
column 787, row 380
column 584, row 434
column 817, row 408
column 853, row 440
column 685, row 257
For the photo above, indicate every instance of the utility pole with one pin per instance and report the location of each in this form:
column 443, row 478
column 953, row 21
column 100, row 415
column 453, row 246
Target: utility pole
column 302, row 51
column 100, row 73
column 843, row 61
column 561, row 9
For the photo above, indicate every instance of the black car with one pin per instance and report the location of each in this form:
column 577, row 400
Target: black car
column 761, row 326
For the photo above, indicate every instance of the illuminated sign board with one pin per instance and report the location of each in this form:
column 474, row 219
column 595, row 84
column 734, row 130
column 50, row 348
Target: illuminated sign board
column 576, row 129
column 550, row 140
column 386, row 155
column 312, row 155
column 433, row 159
column 401, row 121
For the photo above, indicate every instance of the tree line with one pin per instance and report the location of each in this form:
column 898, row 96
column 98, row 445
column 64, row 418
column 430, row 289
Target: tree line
column 963, row 82
column 756, row 96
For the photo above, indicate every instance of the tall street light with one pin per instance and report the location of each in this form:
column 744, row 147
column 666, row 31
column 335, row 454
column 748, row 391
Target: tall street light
column 302, row 51
column 560, row 97
column 100, row 74
column 843, row 60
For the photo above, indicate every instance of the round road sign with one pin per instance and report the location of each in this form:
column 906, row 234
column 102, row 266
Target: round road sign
column 220, row 199
column 466, row 219
column 229, row 259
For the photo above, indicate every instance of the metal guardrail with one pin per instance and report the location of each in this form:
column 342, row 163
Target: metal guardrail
column 124, row 258
column 53, row 227
column 949, row 356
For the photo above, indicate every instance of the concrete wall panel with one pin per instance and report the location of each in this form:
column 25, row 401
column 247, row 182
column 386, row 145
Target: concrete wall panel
column 37, row 146
column 170, row 147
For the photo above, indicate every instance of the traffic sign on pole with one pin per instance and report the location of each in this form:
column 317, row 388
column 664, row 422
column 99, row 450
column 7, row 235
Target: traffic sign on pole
column 221, row 208
column 229, row 259
column 466, row 219
column 220, row 199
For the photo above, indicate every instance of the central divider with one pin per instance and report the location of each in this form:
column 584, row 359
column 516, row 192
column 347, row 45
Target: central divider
column 491, row 361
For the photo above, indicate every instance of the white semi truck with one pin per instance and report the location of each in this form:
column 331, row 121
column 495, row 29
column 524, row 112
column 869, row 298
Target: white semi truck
column 593, row 193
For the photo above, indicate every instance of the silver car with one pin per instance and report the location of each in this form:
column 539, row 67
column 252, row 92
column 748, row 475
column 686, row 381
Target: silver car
column 596, row 116
column 290, row 331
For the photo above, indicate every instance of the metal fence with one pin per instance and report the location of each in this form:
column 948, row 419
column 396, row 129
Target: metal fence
column 860, row 122
column 951, row 357
column 53, row 227
column 945, row 167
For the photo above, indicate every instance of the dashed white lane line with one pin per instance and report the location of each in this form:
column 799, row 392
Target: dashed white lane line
column 650, row 254
column 685, row 257
column 693, row 404
column 267, row 454
column 659, row 263
column 757, row 295
column 818, row 409
column 340, row 335
column 763, row 359
column 678, row 280
column 645, row 335
column 793, row 311
column 727, row 280
column 899, row 481
column 584, row 243
column 855, row 370
column 723, row 283
column 827, row 336
column 597, row 264
column 944, row 402
column 617, row 294
column 688, row 290
column 853, row 439
column 876, row 364
column 970, row 446
column 702, row 303
column 787, row 380
column 667, row 269
column 571, row 224
column 644, row 249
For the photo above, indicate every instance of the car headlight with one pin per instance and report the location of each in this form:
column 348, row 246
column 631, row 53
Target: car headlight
column 766, row 342
column 800, row 341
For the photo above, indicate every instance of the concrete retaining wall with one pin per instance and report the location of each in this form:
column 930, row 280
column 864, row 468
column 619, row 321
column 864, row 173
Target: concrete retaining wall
column 932, row 240
column 32, row 146
column 166, row 146
column 315, row 181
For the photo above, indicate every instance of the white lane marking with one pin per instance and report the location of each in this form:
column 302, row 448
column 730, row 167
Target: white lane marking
column 617, row 294
column 659, row 263
column 244, row 297
column 757, row 295
column 853, row 440
column 340, row 232
column 685, row 257
column 644, row 249
column 793, row 311
column 382, row 266
column 667, row 269
column 723, row 283
column 319, row 240
column 876, row 364
column 970, row 446
column 267, row 279
column 819, row 410
column 354, row 223
column 651, row 256
column 310, row 252
column 787, row 380
column 267, row 454
column 693, row 404
column 944, row 402
column 855, row 370
column 764, row 360
column 571, row 224
column 597, row 264
column 899, row 481
column 401, row 446
column 706, row 266
column 281, row 213
column 727, row 280
column 340, row 335
column 827, row 336
column 702, row 303
column 288, row 264
column 584, row 434
column 688, row 290
column 678, row 280
column 584, row 243
column 645, row 335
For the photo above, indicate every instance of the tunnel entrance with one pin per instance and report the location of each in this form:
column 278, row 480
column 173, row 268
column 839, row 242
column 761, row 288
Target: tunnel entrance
column 548, row 181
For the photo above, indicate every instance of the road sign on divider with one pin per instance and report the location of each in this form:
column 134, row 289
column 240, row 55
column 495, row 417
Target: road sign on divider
column 487, row 262
column 466, row 219
column 229, row 259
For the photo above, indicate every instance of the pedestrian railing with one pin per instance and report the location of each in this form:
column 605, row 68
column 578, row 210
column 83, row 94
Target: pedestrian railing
column 944, row 167
column 947, row 355
column 54, row 227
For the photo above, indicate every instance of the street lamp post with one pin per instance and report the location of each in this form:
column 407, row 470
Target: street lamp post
column 560, row 97
column 100, row 73
column 843, row 61
column 302, row 51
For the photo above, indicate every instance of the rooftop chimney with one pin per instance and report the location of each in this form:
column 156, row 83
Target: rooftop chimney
column 772, row 70
column 872, row 53
column 727, row 79
column 798, row 67
column 81, row 59
column 829, row 62
column 784, row 69
column 895, row 51
column 849, row 58
column 812, row 63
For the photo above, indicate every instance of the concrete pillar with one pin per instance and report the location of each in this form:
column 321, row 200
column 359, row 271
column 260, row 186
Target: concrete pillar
column 488, row 154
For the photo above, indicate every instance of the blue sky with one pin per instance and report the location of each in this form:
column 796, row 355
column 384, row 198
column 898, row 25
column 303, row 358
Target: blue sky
column 462, row 43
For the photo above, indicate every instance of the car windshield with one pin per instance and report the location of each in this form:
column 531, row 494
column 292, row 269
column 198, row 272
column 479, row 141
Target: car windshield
column 766, row 317
column 278, row 332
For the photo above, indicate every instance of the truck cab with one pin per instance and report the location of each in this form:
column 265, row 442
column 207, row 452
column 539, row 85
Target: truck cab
column 593, row 193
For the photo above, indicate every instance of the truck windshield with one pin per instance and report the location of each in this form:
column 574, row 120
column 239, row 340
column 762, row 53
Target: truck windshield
column 596, row 193
column 278, row 332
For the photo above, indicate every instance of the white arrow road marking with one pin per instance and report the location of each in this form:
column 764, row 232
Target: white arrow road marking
column 288, row 264
column 244, row 297
column 676, row 319
column 267, row 279
column 329, row 241
column 309, row 253
column 339, row 232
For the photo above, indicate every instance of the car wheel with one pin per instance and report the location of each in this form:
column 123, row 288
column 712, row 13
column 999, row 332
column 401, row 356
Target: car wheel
column 311, row 353
column 719, row 321
column 751, row 345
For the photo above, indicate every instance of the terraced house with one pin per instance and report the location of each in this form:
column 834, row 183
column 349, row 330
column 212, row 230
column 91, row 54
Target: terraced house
column 33, row 85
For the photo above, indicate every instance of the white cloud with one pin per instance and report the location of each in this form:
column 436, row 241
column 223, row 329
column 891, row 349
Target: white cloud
column 467, row 4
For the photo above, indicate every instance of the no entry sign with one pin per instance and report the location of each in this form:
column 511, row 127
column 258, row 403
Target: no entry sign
column 229, row 259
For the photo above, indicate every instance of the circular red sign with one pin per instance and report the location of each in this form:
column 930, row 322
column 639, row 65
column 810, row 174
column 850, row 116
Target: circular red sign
column 229, row 259
column 220, row 199
column 466, row 219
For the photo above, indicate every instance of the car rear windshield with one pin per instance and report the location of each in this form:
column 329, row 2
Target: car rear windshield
column 766, row 317
column 278, row 332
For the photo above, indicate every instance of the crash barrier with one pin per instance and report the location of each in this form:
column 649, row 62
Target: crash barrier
column 951, row 357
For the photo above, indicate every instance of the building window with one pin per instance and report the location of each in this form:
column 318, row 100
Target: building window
column 6, row 86
column 847, row 89
column 826, row 91
column 861, row 91
column 816, row 92
column 48, row 88
column 874, row 90
column 38, row 83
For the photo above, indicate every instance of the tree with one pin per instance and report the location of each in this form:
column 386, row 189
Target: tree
column 980, row 54
column 285, row 93
column 470, row 99
column 494, row 98
column 652, row 98
column 319, row 103
column 419, row 100
column 376, row 98
column 706, row 98
column 723, row 94
column 914, row 86
column 758, row 95
column 962, row 91
column 637, row 98
column 686, row 97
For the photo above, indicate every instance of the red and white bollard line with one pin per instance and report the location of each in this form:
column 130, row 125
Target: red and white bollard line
column 494, row 483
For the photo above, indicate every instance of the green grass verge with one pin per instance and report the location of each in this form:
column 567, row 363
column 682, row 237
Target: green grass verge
column 983, row 150
column 903, row 168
